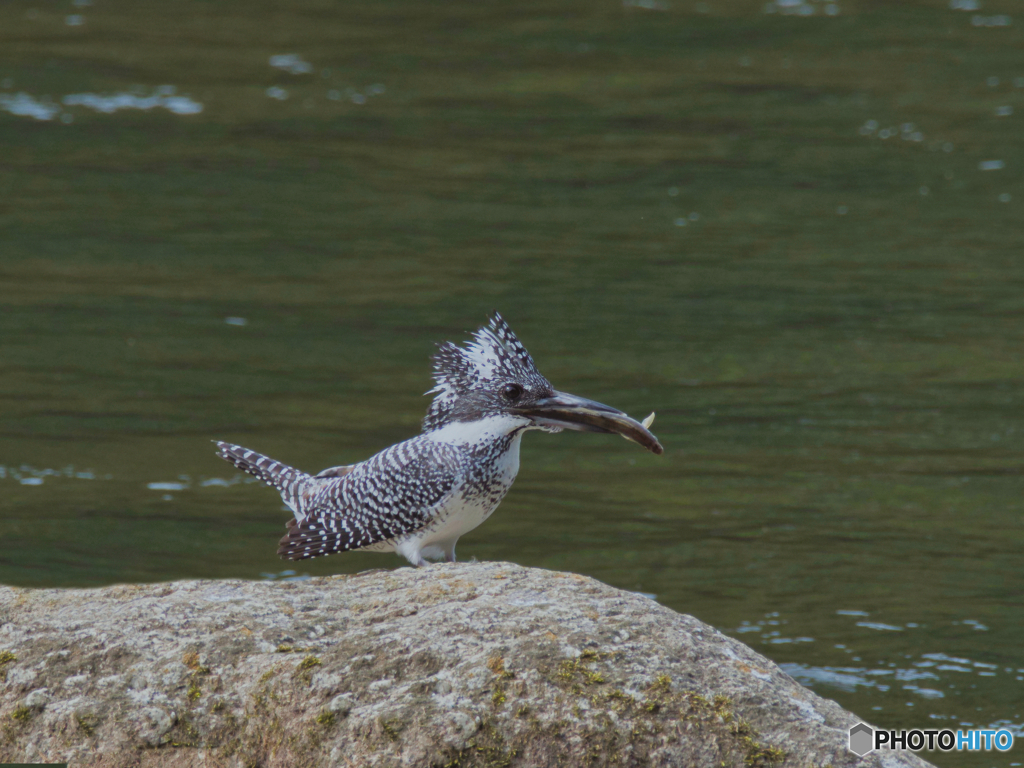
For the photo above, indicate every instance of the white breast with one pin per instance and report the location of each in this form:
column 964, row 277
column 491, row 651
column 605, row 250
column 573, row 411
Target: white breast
column 470, row 504
column 468, row 508
column 482, row 432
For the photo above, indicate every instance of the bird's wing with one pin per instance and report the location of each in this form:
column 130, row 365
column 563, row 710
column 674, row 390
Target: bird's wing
column 391, row 494
column 336, row 471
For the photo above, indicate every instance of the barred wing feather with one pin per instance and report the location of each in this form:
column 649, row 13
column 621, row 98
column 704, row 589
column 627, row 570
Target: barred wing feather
column 390, row 495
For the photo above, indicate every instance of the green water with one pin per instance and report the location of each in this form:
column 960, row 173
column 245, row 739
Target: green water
column 684, row 210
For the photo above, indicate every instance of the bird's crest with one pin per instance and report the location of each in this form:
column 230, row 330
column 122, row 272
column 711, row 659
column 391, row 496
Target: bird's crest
column 493, row 355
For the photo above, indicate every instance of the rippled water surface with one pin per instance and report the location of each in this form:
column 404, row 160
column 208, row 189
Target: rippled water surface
column 792, row 228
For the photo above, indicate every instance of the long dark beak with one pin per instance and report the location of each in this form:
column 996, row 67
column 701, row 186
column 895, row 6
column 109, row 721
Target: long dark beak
column 571, row 412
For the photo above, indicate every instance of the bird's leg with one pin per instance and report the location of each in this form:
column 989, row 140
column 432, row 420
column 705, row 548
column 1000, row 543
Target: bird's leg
column 449, row 553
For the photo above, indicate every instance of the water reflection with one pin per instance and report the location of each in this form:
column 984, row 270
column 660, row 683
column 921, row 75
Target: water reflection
column 892, row 676
column 292, row 63
column 162, row 98
column 25, row 105
column 184, row 482
column 220, row 482
column 179, row 486
column 44, row 108
column 647, row 5
column 802, row 7
column 25, row 474
column 28, row 475
column 767, row 632
column 900, row 679
column 879, row 626
column 844, row 678
column 906, row 131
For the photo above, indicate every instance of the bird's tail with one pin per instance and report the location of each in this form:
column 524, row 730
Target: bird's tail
column 291, row 483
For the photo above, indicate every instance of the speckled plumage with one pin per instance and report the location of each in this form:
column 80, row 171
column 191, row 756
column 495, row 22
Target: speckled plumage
column 419, row 496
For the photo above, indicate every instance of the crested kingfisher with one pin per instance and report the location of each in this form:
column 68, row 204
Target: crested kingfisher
column 418, row 497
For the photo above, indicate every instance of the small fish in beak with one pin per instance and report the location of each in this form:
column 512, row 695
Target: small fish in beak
column 571, row 412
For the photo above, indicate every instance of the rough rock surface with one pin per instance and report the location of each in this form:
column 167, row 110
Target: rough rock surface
column 453, row 665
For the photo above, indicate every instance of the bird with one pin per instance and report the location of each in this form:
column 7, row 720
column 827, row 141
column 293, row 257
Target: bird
column 419, row 496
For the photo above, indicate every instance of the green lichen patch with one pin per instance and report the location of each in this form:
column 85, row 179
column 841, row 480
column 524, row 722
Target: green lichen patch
column 498, row 693
column 195, row 681
column 487, row 749
column 185, row 733
column 326, row 718
column 577, row 672
column 498, row 696
column 304, row 669
column 641, row 722
column 6, row 657
column 757, row 755
column 87, row 722
column 289, row 648
column 14, row 725
column 392, row 727
column 618, row 700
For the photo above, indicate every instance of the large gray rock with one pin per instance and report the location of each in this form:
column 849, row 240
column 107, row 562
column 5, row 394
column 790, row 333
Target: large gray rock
column 452, row 665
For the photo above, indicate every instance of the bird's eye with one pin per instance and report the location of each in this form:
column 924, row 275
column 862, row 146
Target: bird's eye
column 512, row 392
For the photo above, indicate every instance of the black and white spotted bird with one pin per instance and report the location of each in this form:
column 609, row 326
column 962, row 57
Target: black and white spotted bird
column 418, row 497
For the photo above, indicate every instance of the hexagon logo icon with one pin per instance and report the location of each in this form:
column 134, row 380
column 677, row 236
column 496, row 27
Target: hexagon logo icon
column 861, row 739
